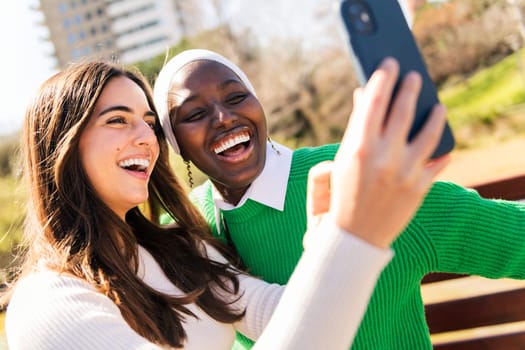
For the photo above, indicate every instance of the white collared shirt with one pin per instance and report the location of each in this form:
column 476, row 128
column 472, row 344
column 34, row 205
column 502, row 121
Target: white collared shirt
column 274, row 175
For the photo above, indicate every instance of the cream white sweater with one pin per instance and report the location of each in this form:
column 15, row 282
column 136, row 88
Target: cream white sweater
column 321, row 307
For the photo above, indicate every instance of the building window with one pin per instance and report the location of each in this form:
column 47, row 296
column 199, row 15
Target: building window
column 79, row 52
column 82, row 35
column 62, row 8
column 71, row 38
column 139, row 28
column 76, row 53
column 78, row 19
column 88, row 16
column 67, row 23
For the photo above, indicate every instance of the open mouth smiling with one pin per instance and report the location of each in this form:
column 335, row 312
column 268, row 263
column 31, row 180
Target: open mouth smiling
column 135, row 164
column 233, row 144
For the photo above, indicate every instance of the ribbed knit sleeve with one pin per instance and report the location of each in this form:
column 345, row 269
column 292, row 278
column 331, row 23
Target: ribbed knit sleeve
column 473, row 235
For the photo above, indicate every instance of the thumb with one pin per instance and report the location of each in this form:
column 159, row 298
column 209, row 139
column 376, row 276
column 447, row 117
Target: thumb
column 318, row 193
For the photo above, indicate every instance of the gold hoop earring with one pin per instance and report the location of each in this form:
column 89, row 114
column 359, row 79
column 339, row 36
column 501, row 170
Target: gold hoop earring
column 190, row 174
column 273, row 146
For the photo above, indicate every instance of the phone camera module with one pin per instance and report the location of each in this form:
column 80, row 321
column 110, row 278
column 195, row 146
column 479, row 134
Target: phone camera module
column 360, row 17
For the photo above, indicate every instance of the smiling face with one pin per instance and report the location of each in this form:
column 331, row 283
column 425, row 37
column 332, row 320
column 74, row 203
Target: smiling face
column 118, row 148
column 219, row 125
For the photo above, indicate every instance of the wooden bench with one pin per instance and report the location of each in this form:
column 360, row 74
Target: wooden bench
column 469, row 312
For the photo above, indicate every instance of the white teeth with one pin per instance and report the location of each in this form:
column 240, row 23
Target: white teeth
column 140, row 163
column 232, row 142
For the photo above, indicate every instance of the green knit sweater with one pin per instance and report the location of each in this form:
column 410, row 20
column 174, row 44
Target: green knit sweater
column 454, row 231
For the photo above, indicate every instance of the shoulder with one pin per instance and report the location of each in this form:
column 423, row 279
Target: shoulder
column 51, row 286
column 449, row 191
column 43, row 303
column 202, row 193
column 49, row 294
column 305, row 158
column 202, row 197
column 52, row 311
column 453, row 199
column 447, row 200
column 325, row 152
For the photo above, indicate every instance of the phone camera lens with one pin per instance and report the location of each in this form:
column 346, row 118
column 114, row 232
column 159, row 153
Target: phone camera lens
column 365, row 18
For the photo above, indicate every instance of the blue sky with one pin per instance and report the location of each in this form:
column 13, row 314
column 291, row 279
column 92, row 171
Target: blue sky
column 25, row 60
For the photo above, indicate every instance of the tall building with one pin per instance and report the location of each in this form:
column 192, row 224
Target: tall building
column 129, row 30
column 143, row 28
column 78, row 28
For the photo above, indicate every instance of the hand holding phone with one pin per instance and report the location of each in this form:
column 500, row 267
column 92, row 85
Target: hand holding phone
column 378, row 29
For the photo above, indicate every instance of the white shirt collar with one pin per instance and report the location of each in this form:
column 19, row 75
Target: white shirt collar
column 274, row 175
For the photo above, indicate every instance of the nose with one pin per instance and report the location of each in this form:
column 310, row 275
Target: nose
column 222, row 116
column 145, row 135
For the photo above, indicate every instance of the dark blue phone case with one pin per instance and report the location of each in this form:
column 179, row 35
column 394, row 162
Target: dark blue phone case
column 378, row 29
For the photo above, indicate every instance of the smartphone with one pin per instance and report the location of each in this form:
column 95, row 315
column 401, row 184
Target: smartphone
column 377, row 29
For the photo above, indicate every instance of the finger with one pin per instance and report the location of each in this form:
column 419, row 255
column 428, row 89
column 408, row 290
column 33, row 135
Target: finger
column 318, row 196
column 437, row 165
column 352, row 123
column 369, row 114
column 402, row 112
column 433, row 168
column 318, row 188
column 358, row 95
column 427, row 139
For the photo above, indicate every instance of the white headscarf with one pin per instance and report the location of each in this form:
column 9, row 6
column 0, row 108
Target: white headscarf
column 163, row 83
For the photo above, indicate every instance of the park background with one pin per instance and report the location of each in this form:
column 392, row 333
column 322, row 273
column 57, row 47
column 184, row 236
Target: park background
column 473, row 49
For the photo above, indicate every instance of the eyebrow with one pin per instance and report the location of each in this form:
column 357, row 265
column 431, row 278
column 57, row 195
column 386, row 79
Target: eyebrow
column 227, row 82
column 122, row 109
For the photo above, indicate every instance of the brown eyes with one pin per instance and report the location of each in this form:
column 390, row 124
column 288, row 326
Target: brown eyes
column 151, row 121
column 237, row 98
column 116, row 120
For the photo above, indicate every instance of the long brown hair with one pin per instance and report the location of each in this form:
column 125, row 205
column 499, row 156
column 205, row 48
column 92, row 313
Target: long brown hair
column 70, row 230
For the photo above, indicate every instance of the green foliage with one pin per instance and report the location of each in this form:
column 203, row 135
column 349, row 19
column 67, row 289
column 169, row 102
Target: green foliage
column 9, row 155
column 488, row 94
column 3, row 342
column 152, row 67
column 12, row 197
